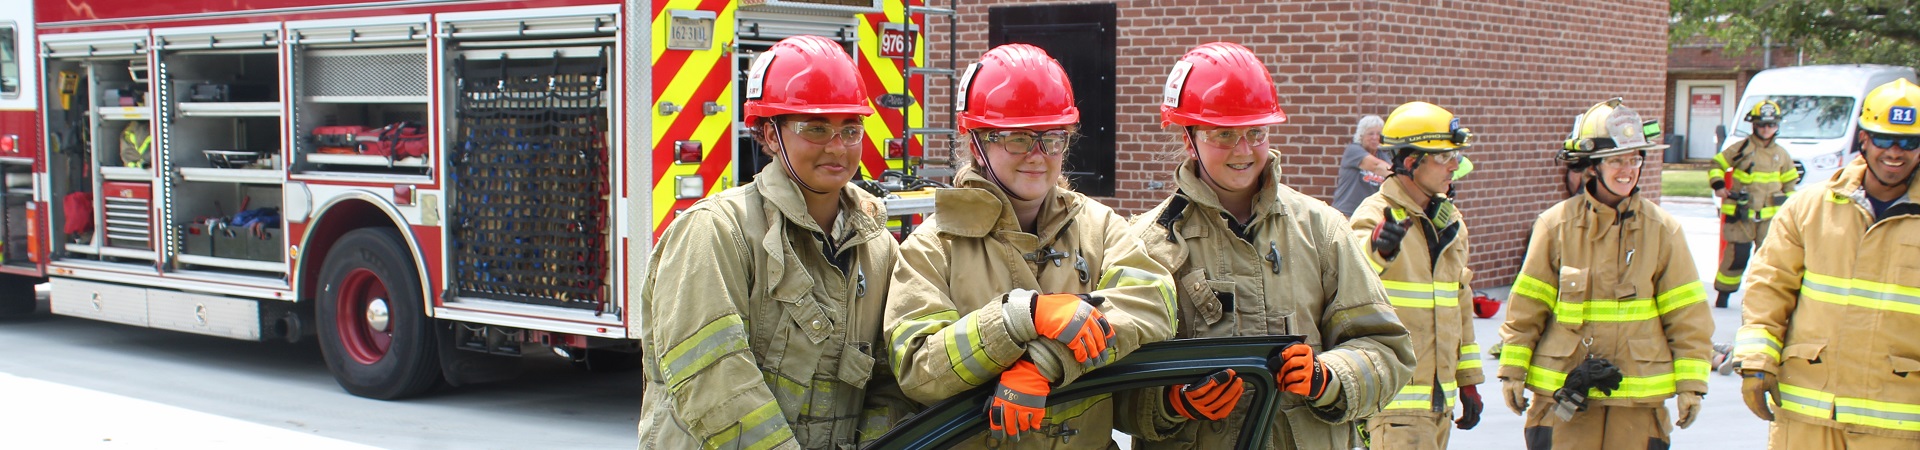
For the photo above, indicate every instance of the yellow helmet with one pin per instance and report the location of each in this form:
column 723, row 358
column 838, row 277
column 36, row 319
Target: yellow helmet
column 1608, row 129
column 1424, row 127
column 1767, row 111
column 1889, row 109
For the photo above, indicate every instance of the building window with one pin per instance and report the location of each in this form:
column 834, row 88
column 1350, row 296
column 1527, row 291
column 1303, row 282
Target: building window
column 9, row 61
column 1081, row 37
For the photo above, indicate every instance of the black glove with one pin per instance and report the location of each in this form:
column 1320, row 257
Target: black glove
column 1470, row 407
column 1386, row 236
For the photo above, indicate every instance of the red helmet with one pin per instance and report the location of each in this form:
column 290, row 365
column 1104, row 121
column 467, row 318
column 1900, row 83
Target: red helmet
column 804, row 75
column 1016, row 86
column 1220, row 84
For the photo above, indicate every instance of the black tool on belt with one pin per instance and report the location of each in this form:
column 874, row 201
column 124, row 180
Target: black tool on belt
column 1594, row 373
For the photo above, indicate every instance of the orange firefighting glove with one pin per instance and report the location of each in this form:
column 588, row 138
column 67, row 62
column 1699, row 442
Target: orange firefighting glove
column 1019, row 403
column 1075, row 320
column 1689, row 405
column 1298, row 372
column 1754, row 388
column 1387, row 235
column 1210, row 398
column 1470, row 407
column 1516, row 392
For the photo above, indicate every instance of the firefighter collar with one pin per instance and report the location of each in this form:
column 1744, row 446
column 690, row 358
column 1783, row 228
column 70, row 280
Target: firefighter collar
column 1267, row 201
column 1401, row 199
column 1851, row 182
column 860, row 214
column 962, row 210
column 1593, row 213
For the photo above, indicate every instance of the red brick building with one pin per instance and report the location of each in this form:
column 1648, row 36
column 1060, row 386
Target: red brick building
column 1516, row 72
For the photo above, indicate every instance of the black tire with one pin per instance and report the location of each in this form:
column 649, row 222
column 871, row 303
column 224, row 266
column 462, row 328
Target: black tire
column 17, row 297
column 367, row 269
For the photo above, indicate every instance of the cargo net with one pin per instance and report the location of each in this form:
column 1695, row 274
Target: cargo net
column 529, row 210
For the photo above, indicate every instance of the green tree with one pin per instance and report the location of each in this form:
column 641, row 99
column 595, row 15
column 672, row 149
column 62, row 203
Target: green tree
column 1829, row 31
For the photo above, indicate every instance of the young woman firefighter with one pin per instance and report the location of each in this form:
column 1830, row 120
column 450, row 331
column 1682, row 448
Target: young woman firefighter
column 1827, row 352
column 1254, row 257
column 785, row 277
column 1752, row 179
column 1608, row 317
column 1017, row 276
column 1417, row 240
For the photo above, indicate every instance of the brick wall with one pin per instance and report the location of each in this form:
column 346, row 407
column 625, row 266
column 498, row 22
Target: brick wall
column 1701, row 59
column 1514, row 71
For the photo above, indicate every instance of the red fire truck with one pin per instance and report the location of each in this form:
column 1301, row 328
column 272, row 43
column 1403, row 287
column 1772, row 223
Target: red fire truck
column 428, row 187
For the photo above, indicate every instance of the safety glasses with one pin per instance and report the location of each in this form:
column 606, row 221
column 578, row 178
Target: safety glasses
column 1232, row 137
column 822, row 133
column 1446, row 157
column 1889, row 141
column 1623, row 162
column 1021, row 142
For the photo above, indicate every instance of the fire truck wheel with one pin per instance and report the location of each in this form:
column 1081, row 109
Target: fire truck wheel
column 376, row 339
column 17, row 297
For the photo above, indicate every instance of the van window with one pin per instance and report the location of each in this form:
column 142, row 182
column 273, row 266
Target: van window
column 9, row 62
column 1807, row 117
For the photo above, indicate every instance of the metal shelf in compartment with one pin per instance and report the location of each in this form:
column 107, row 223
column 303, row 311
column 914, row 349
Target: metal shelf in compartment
column 230, row 109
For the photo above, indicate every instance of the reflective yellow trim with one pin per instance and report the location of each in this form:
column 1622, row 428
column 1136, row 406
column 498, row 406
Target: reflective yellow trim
column 1849, row 410
column 1731, row 280
column 1122, row 276
column 1752, row 340
column 1690, row 369
column 969, row 355
column 1862, row 293
column 717, row 339
column 1679, row 297
column 906, row 331
column 1516, row 356
column 1633, row 310
column 1806, row 401
column 763, row 428
column 1874, row 413
column 1536, row 289
column 1650, row 386
column 1469, row 357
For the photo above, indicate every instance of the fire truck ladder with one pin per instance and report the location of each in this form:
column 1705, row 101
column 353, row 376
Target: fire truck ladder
column 932, row 167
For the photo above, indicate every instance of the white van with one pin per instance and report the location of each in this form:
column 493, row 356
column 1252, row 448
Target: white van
column 1822, row 106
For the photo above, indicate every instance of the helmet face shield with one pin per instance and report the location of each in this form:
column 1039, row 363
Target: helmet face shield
column 1608, row 129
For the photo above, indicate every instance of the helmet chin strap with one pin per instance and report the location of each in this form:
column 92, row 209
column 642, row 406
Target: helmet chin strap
column 991, row 174
column 1598, row 179
column 781, row 138
column 1194, row 148
column 1903, row 182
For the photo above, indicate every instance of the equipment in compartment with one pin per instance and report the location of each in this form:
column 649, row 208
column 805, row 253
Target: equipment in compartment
column 232, row 159
column 529, row 217
column 129, row 214
column 253, row 235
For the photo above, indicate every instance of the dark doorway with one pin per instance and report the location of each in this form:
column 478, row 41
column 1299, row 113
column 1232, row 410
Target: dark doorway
column 1081, row 37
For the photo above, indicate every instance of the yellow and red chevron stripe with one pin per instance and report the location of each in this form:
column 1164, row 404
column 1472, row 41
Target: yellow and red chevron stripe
column 883, row 75
column 690, row 79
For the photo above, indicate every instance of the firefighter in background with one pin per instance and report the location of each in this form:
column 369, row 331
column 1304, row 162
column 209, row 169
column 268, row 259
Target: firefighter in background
column 1255, row 257
column 1015, row 275
column 1608, row 317
column 1418, row 243
column 1752, row 179
column 785, row 277
column 1830, row 316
